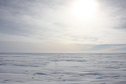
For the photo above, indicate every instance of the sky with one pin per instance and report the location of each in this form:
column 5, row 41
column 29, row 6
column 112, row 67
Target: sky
column 62, row 26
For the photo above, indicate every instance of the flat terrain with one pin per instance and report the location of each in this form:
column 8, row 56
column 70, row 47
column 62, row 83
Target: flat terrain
column 62, row 68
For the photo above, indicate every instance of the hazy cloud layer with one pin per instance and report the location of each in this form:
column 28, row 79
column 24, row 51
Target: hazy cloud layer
column 116, row 10
column 6, row 46
column 52, row 21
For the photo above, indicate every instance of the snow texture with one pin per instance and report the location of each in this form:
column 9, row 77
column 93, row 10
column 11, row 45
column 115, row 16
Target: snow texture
column 62, row 68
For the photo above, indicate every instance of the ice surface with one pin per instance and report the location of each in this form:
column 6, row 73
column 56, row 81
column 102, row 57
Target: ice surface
column 62, row 68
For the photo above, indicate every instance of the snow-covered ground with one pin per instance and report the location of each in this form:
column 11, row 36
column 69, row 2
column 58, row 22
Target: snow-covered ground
column 65, row 68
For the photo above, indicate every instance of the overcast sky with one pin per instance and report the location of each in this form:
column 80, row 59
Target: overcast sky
column 52, row 25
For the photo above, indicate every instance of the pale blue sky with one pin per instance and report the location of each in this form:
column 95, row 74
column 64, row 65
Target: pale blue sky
column 42, row 24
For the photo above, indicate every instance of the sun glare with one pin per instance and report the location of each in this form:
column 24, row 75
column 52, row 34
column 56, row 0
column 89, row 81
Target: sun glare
column 84, row 9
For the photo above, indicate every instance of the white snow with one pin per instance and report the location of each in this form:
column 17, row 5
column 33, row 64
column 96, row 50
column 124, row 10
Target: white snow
column 62, row 68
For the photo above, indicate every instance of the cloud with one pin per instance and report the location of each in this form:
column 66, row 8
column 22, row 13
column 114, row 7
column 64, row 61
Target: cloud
column 16, row 38
column 108, row 48
column 116, row 10
column 46, row 47
column 38, row 47
column 53, row 21
column 115, row 48
column 29, row 17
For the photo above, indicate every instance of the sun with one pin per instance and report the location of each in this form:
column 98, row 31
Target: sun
column 84, row 9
